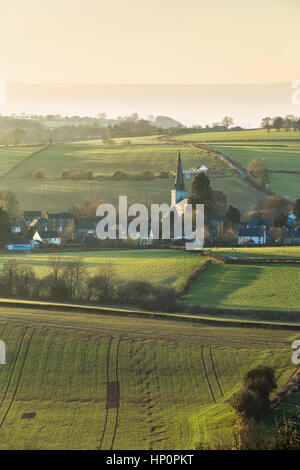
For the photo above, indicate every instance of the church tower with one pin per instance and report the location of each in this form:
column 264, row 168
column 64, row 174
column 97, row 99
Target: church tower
column 179, row 193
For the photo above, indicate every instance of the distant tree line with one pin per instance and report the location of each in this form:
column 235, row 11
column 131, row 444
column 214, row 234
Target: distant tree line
column 288, row 123
column 69, row 280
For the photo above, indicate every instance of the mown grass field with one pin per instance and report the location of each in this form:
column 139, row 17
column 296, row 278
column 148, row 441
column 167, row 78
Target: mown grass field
column 166, row 267
column 247, row 287
column 175, row 380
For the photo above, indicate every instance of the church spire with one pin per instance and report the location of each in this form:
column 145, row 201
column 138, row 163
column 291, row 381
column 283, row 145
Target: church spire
column 179, row 180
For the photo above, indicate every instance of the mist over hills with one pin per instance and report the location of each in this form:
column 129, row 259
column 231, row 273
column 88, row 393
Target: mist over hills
column 189, row 104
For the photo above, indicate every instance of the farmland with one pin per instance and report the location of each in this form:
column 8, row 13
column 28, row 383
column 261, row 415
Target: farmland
column 53, row 193
column 279, row 150
column 247, row 287
column 158, row 266
column 11, row 156
column 174, row 380
column 241, row 136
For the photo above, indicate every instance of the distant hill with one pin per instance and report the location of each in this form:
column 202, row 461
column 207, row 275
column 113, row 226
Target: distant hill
column 166, row 122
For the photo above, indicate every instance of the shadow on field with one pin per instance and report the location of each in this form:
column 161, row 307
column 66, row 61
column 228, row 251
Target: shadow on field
column 216, row 284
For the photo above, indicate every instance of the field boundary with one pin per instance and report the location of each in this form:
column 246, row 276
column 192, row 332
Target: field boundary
column 232, row 322
column 23, row 161
column 192, row 276
column 19, row 378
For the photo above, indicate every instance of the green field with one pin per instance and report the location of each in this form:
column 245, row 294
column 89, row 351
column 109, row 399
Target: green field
column 245, row 135
column 55, row 194
column 260, row 252
column 104, row 160
column 166, row 267
column 175, row 380
column 247, row 287
column 10, row 156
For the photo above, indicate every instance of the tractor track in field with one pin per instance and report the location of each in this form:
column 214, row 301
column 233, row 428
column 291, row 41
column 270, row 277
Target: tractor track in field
column 107, row 376
column 137, row 333
column 19, row 377
column 215, row 372
column 13, row 367
column 117, row 379
column 206, row 375
column 108, row 359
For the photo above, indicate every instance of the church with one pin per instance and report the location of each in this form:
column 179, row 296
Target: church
column 179, row 195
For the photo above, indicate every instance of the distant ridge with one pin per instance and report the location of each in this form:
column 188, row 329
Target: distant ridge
column 188, row 104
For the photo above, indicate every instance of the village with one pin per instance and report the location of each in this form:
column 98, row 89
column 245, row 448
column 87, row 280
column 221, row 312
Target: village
column 275, row 224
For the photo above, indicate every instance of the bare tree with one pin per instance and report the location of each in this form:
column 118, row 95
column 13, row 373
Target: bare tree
column 74, row 275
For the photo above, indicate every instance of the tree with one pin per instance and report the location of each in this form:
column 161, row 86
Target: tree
column 202, row 193
column 5, row 227
column 275, row 205
column 296, row 208
column 220, row 202
column 10, row 204
column 278, row 123
column 233, row 215
column 74, row 274
column 288, row 121
column 258, row 170
column 227, row 121
column 101, row 286
column 266, row 123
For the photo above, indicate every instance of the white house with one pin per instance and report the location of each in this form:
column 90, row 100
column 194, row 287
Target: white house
column 255, row 235
column 48, row 237
column 194, row 171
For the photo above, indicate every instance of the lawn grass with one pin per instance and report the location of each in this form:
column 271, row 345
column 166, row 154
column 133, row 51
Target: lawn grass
column 247, row 287
column 167, row 267
column 165, row 398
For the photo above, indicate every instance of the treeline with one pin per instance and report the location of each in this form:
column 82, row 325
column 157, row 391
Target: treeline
column 251, row 403
column 89, row 175
column 69, row 280
column 24, row 131
column 288, row 123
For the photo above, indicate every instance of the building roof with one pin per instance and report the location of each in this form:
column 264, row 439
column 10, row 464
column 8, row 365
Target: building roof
column 61, row 215
column 86, row 224
column 48, row 233
column 34, row 214
column 251, row 231
column 179, row 180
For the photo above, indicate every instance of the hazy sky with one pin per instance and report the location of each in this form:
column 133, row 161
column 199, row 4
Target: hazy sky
column 149, row 41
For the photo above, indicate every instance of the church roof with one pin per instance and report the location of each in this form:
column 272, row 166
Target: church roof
column 179, row 180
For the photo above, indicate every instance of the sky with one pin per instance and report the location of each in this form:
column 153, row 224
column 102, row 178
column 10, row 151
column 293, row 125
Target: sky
column 149, row 41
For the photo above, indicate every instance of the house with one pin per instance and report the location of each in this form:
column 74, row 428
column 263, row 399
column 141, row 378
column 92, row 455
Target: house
column 22, row 245
column 59, row 221
column 252, row 235
column 290, row 219
column 30, row 216
column 47, row 237
column 194, row 171
column 85, row 228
